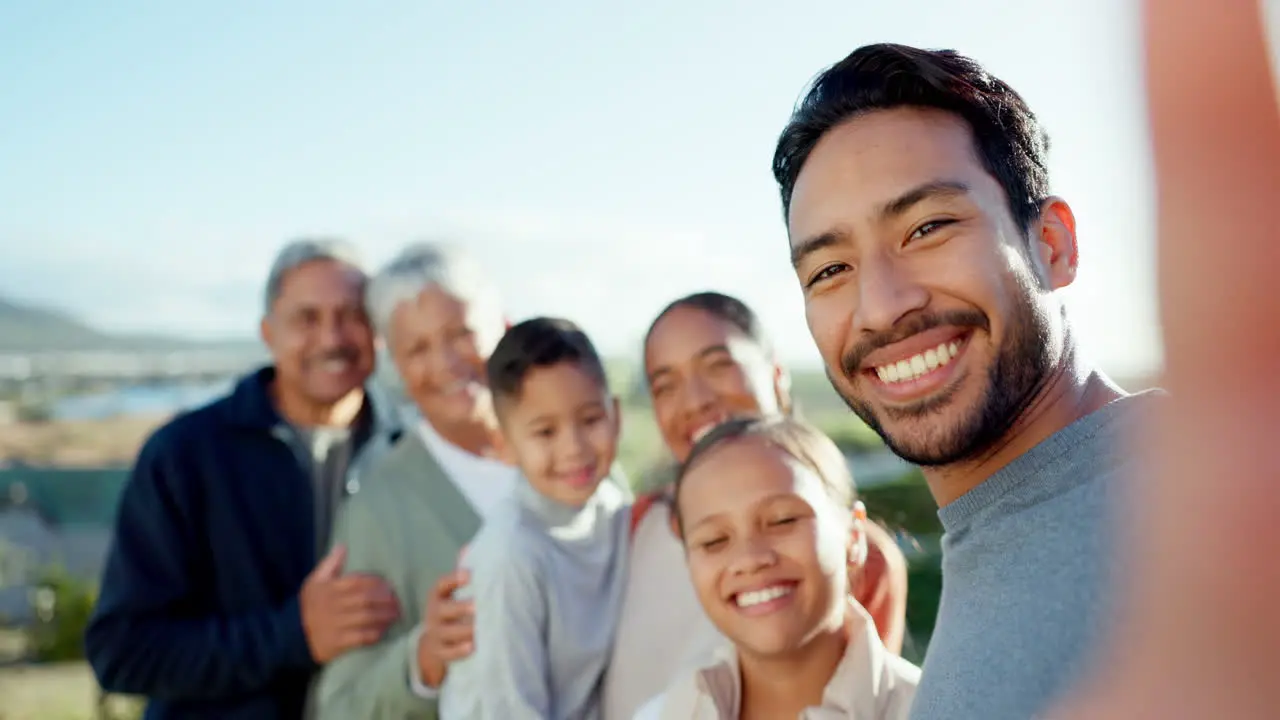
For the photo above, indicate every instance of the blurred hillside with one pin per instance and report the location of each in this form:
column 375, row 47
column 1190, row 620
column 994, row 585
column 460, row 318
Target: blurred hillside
column 30, row 328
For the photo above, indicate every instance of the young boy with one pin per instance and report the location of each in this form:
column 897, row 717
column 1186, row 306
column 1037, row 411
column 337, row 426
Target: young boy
column 550, row 563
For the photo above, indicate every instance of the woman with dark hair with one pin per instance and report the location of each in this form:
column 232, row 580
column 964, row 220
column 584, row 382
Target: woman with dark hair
column 708, row 360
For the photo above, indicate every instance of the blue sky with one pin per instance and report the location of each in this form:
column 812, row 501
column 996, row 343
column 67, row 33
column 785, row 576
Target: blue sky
column 599, row 160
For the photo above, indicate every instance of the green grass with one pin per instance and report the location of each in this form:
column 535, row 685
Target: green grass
column 60, row 691
column 640, row 446
column 924, row 590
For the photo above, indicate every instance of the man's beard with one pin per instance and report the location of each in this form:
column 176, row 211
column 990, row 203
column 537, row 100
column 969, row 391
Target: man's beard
column 1021, row 367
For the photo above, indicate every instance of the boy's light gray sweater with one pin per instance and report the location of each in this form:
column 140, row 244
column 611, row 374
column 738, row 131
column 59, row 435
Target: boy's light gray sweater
column 1027, row 567
column 547, row 581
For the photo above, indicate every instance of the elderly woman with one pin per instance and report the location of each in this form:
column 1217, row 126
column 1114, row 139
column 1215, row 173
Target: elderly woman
column 424, row 498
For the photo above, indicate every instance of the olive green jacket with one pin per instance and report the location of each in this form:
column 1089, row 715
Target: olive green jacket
column 406, row 522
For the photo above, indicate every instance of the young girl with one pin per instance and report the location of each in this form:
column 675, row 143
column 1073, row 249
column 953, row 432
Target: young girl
column 765, row 509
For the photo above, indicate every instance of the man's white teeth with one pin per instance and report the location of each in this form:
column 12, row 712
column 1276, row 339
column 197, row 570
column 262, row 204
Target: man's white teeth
column 919, row 364
column 335, row 365
column 756, row 597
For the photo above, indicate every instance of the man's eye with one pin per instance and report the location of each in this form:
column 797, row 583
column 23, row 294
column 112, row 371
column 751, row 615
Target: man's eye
column 826, row 273
column 929, row 228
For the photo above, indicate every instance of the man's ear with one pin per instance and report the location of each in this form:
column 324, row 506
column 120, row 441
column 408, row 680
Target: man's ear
column 264, row 331
column 1057, row 254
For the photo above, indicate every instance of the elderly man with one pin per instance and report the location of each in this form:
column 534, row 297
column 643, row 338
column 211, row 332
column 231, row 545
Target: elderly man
column 212, row 602
column 422, row 501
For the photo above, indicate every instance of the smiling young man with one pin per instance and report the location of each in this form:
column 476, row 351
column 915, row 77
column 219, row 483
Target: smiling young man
column 930, row 253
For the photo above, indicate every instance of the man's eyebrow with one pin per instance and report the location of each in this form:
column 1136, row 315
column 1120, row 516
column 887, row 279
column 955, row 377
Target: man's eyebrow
column 920, row 193
column 809, row 246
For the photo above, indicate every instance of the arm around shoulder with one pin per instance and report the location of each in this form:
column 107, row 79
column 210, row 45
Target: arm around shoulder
column 138, row 640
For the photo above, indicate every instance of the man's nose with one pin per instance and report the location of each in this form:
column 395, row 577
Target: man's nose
column 887, row 291
column 333, row 332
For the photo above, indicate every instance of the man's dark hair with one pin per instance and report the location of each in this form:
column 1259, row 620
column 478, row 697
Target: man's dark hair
column 1006, row 135
column 539, row 342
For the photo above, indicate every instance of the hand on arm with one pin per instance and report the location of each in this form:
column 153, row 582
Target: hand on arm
column 382, row 679
column 341, row 612
column 448, row 630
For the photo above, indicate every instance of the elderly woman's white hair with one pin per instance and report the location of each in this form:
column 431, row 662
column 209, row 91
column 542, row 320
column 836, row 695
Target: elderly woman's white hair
column 441, row 265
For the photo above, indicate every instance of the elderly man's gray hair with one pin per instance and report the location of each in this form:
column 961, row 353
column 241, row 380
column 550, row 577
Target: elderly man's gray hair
column 445, row 266
column 301, row 252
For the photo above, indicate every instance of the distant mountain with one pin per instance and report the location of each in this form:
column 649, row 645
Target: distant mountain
column 31, row 328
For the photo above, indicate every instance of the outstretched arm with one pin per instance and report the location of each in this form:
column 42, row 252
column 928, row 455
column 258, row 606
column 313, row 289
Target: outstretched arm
column 1196, row 638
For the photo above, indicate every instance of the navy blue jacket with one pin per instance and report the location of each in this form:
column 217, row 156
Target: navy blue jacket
column 214, row 536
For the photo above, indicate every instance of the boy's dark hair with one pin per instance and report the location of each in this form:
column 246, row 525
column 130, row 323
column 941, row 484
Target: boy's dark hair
column 725, row 307
column 1006, row 134
column 801, row 441
column 535, row 343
